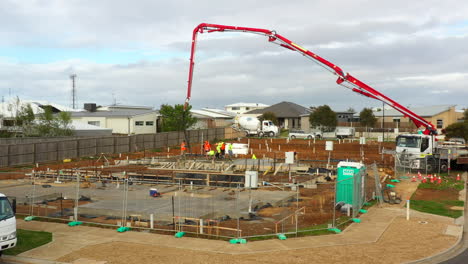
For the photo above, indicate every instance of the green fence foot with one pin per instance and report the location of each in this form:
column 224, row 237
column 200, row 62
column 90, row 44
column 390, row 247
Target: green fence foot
column 123, row 229
column 281, row 236
column 75, row 223
column 29, row 218
column 356, row 220
column 363, row 211
column 390, row 186
column 238, row 241
column 179, row 234
column 395, row 180
column 336, row 230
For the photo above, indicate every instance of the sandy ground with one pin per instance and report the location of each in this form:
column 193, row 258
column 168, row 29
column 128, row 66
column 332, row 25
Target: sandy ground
column 402, row 241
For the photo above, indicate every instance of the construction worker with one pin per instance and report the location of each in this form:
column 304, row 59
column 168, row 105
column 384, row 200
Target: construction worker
column 206, row 147
column 223, row 149
column 183, row 148
column 218, row 150
column 211, row 154
column 229, row 147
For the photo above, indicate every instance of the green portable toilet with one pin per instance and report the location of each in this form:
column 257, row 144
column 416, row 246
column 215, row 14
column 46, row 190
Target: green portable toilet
column 347, row 178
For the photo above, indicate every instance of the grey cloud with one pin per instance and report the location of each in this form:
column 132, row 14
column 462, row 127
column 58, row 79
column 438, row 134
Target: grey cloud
column 238, row 67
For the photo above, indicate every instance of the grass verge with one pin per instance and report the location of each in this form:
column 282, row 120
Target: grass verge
column 27, row 240
column 437, row 207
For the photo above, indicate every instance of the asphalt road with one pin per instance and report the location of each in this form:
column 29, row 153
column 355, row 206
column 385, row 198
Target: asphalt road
column 460, row 259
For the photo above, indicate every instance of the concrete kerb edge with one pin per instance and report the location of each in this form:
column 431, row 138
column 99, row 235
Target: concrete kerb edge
column 17, row 259
column 455, row 246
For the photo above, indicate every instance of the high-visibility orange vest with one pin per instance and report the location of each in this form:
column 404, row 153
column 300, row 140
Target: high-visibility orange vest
column 207, row 146
column 182, row 146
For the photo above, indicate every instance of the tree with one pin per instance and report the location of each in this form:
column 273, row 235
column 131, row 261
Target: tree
column 25, row 118
column 465, row 115
column 175, row 118
column 323, row 117
column 457, row 130
column 269, row 116
column 367, row 117
column 50, row 125
column 351, row 110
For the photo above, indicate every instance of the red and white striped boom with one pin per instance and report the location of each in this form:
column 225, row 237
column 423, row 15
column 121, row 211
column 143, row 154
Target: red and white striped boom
column 345, row 80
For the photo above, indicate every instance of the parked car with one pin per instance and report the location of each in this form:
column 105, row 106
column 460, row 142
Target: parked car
column 301, row 134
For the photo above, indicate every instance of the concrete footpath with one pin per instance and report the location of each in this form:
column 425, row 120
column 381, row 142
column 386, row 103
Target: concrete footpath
column 67, row 240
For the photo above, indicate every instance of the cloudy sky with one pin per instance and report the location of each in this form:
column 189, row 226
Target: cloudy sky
column 137, row 52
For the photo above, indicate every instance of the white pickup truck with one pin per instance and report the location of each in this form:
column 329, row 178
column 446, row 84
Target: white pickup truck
column 301, row 134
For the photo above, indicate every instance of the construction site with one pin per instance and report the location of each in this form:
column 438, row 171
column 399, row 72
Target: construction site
column 169, row 193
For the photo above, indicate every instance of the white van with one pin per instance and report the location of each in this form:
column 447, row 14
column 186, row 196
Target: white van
column 7, row 224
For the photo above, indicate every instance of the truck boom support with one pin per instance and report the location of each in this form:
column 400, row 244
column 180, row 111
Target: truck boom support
column 345, row 80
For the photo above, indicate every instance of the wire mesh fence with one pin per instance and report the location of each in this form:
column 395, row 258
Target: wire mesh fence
column 301, row 204
column 407, row 163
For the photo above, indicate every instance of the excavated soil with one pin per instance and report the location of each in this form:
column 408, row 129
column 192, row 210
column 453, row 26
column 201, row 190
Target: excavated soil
column 434, row 195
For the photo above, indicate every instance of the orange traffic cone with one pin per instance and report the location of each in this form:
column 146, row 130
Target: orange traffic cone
column 424, row 180
column 439, row 181
column 458, row 176
column 419, row 175
column 432, row 178
column 413, row 179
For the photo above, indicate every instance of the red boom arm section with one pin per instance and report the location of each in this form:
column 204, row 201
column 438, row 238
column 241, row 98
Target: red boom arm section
column 345, row 80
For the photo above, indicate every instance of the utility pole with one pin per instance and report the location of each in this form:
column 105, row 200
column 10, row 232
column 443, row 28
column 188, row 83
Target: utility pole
column 72, row 77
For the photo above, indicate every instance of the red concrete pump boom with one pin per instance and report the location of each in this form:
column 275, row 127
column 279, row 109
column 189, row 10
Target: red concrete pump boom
column 345, row 80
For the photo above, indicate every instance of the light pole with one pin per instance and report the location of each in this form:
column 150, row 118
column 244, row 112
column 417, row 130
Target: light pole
column 383, row 121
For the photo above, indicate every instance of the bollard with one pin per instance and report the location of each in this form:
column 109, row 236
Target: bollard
column 407, row 209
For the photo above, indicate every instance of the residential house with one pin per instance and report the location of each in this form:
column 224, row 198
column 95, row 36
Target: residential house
column 290, row 115
column 439, row 115
column 9, row 111
column 121, row 119
column 211, row 118
column 240, row 108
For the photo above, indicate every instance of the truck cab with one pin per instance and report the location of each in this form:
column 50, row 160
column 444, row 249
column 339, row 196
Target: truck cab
column 420, row 152
column 269, row 129
column 7, row 224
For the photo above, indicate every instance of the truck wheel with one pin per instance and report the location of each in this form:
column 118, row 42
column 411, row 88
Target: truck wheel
column 271, row 134
column 309, row 137
column 431, row 165
column 443, row 166
column 247, row 134
column 318, row 137
column 260, row 134
column 293, row 137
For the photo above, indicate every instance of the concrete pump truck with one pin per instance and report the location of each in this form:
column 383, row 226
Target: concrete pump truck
column 418, row 151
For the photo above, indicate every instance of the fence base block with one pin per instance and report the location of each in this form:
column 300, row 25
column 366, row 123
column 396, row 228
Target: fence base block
column 123, row 229
column 363, row 211
column 75, row 223
column 336, row 230
column 281, row 236
column 179, row 234
column 356, row 220
column 238, row 241
column 29, row 218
